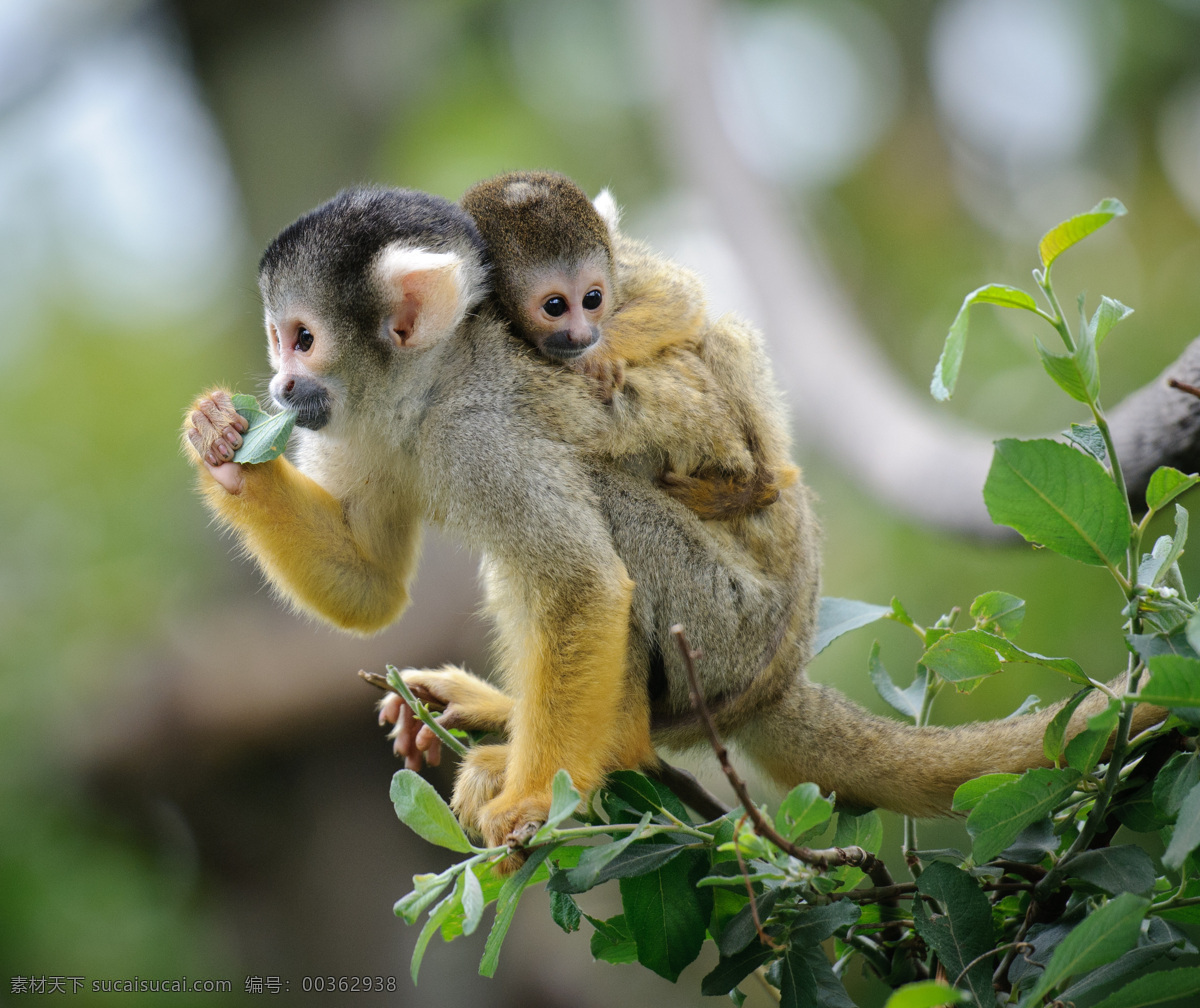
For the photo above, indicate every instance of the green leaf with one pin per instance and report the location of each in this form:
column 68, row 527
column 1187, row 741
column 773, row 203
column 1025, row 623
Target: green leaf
column 797, row 984
column 907, row 701
column 1167, row 550
column 1165, row 485
column 865, row 831
column 1058, row 497
column 247, row 406
column 586, row 874
column 968, row 794
column 1186, row 837
column 637, row 859
column 973, row 654
column 667, row 914
column 437, row 915
column 643, row 794
column 1055, row 738
column 426, row 889
column 1174, row 781
column 839, row 616
column 1174, row 682
column 945, row 375
column 564, row 801
column 1137, row 811
column 422, row 810
column 1076, row 373
column 813, row 924
column 1026, row 706
column 267, row 435
column 1151, row 645
column 1098, row 939
column 1062, row 236
column 925, row 994
column 1108, row 314
column 1162, row 988
column 961, row 934
column 1089, row 438
column 564, row 911
column 802, row 809
column 1085, row 749
column 1002, row 813
column 506, row 907
column 612, row 941
column 1115, row 869
column 472, row 902
column 732, row 970
column 997, row 610
column 809, row 962
column 737, row 934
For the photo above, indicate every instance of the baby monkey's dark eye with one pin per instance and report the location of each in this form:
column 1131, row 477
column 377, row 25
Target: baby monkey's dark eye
column 555, row 306
column 304, row 340
column 592, row 300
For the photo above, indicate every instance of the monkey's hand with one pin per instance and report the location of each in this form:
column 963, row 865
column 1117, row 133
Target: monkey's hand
column 465, row 701
column 214, row 429
column 721, row 496
column 608, row 372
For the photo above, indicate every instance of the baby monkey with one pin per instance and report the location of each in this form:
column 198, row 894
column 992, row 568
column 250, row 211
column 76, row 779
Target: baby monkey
column 585, row 295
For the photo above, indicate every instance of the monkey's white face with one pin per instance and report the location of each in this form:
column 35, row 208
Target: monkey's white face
column 564, row 310
column 300, row 351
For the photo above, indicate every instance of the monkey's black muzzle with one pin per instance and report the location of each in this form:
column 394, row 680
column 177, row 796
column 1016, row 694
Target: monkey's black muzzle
column 310, row 399
column 566, row 345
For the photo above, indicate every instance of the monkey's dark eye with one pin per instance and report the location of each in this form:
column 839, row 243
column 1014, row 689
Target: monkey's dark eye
column 555, row 306
column 592, row 300
column 304, row 340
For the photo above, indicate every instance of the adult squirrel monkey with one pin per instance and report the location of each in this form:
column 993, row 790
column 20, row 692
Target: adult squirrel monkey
column 417, row 404
column 598, row 302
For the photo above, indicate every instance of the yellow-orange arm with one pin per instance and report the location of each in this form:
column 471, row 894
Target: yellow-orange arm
column 324, row 557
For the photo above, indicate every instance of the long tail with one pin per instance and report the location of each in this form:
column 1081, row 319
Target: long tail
column 816, row 734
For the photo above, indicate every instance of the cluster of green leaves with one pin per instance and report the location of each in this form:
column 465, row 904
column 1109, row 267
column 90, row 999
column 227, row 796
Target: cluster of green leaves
column 1043, row 906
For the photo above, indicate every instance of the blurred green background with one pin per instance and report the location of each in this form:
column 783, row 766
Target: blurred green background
column 191, row 780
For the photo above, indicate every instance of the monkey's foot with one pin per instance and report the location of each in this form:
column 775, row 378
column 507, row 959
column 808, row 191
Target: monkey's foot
column 513, row 823
column 480, row 779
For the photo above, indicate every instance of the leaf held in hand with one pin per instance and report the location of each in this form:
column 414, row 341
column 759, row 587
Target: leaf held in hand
column 268, row 434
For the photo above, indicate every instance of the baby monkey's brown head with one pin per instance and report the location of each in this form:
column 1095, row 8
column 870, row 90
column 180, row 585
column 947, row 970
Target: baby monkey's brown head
column 551, row 258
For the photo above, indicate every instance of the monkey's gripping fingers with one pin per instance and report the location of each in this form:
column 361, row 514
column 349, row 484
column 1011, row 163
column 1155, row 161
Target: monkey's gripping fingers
column 464, row 700
column 411, row 739
column 214, row 428
column 513, row 824
column 609, row 374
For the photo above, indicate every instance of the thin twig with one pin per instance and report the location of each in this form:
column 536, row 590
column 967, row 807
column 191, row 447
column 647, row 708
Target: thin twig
column 1175, row 383
column 1017, row 946
column 854, row 856
column 763, row 937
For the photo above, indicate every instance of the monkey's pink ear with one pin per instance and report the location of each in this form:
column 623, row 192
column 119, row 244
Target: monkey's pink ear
column 424, row 292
